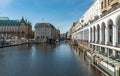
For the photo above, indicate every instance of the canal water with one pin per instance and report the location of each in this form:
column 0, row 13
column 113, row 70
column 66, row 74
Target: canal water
column 44, row 60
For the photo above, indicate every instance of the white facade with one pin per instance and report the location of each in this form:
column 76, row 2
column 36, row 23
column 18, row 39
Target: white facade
column 103, row 33
column 93, row 12
column 106, row 26
column 89, row 16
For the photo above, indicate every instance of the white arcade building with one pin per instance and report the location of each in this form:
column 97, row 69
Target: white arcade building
column 100, row 26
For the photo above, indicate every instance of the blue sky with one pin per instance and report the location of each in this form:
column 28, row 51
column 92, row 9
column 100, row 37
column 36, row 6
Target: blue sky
column 60, row 13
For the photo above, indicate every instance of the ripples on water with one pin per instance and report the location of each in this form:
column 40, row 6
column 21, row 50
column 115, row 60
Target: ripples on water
column 43, row 60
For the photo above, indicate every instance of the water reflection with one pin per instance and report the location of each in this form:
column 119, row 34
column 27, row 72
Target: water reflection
column 44, row 60
column 85, row 61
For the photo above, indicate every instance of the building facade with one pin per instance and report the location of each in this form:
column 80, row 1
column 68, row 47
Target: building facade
column 99, row 28
column 15, row 28
column 68, row 35
column 45, row 32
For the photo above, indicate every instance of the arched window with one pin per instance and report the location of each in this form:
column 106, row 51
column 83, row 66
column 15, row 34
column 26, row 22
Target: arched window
column 91, row 34
column 110, row 28
column 102, row 5
column 98, row 33
column 94, row 33
column 103, row 33
column 105, row 4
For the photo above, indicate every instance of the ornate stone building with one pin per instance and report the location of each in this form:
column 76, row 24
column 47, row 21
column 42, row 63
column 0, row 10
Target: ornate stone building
column 15, row 28
column 45, row 32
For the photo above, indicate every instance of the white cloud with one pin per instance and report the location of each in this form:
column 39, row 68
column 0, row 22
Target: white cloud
column 5, row 3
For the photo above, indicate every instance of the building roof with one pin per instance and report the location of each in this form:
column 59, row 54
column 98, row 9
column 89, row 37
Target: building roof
column 9, row 22
column 44, row 25
column 6, row 22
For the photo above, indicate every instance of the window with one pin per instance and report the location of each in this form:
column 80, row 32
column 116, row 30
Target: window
column 108, row 2
column 102, row 5
column 105, row 3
